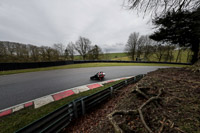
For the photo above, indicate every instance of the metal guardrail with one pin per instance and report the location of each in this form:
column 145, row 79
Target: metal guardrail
column 121, row 61
column 60, row 118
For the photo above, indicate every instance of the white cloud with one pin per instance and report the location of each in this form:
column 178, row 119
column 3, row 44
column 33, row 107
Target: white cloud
column 45, row 22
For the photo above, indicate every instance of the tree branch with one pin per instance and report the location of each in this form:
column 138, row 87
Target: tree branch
column 133, row 112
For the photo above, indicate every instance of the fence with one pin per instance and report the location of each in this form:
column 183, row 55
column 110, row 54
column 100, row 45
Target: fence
column 16, row 66
column 60, row 118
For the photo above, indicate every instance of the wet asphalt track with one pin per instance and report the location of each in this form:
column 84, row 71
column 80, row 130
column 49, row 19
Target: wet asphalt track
column 19, row 88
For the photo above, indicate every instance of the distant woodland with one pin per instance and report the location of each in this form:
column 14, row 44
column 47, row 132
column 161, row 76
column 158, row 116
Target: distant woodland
column 17, row 52
column 142, row 50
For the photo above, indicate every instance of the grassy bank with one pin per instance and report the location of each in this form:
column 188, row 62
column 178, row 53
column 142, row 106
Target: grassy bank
column 15, row 121
column 175, row 110
column 152, row 57
column 85, row 65
column 125, row 57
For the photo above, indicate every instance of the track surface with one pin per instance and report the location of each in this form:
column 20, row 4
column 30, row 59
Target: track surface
column 19, row 88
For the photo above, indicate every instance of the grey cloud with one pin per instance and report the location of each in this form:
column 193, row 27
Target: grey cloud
column 46, row 22
column 113, row 48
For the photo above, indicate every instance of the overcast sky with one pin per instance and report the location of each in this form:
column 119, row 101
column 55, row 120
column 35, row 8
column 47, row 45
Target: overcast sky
column 45, row 22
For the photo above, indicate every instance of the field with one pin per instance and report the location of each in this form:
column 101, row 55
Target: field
column 107, row 56
column 125, row 57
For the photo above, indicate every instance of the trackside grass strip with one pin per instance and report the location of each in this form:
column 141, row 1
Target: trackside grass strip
column 17, row 120
column 85, row 65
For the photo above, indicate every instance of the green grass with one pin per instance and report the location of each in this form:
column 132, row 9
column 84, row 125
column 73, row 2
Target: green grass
column 175, row 53
column 106, row 56
column 125, row 57
column 18, row 120
column 85, row 65
column 116, row 55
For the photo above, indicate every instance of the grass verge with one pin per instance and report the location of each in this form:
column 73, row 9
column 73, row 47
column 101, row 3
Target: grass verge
column 152, row 57
column 15, row 121
column 85, row 65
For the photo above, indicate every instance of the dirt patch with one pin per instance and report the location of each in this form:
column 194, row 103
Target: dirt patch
column 98, row 115
column 177, row 109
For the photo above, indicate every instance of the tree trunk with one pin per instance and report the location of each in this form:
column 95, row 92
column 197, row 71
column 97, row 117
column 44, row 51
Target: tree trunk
column 188, row 56
column 195, row 49
column 133, row 56
column 179, row 51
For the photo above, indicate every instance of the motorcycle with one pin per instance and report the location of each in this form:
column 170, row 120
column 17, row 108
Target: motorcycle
column 98, row 76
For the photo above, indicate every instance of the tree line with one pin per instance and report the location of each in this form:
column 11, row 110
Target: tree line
column 18, row 52
column 142, row 47
column 177, row 22
column 138, row 47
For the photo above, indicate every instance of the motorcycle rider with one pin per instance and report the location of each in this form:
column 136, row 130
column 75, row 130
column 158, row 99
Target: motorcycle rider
column 100, row 75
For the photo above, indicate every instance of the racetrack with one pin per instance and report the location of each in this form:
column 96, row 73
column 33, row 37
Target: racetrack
column 19, row 88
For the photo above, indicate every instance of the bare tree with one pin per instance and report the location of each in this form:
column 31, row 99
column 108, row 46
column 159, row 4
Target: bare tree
column 164, row 52
column 169, row 52
column 42, row 51
column 10, row 48
column 95, row 52
column 158, row 7
column 140, row 46
column 179, row 55
column 82, row 46
column 160, row 52
column 51, row 54
column 130, row 47
column 148, row 49
column 34, row 52
column 24, row 53
column 17, row 52
column 60, row 49
column 69, row 51
column 3, row 52
column 189, row 55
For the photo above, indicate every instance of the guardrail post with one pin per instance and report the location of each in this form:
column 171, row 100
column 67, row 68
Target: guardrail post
column 83, row 106
column 69, row 111
column 111, row 90
column 126, row 82
column 75, row 109
column 134, row 79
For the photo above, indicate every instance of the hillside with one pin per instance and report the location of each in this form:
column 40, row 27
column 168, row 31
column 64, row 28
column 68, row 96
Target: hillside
column 168, row 100
column 125, row 57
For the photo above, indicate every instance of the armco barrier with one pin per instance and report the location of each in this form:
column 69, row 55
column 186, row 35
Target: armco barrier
column 28, row 65
column 16, row 66
column 60, row 118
